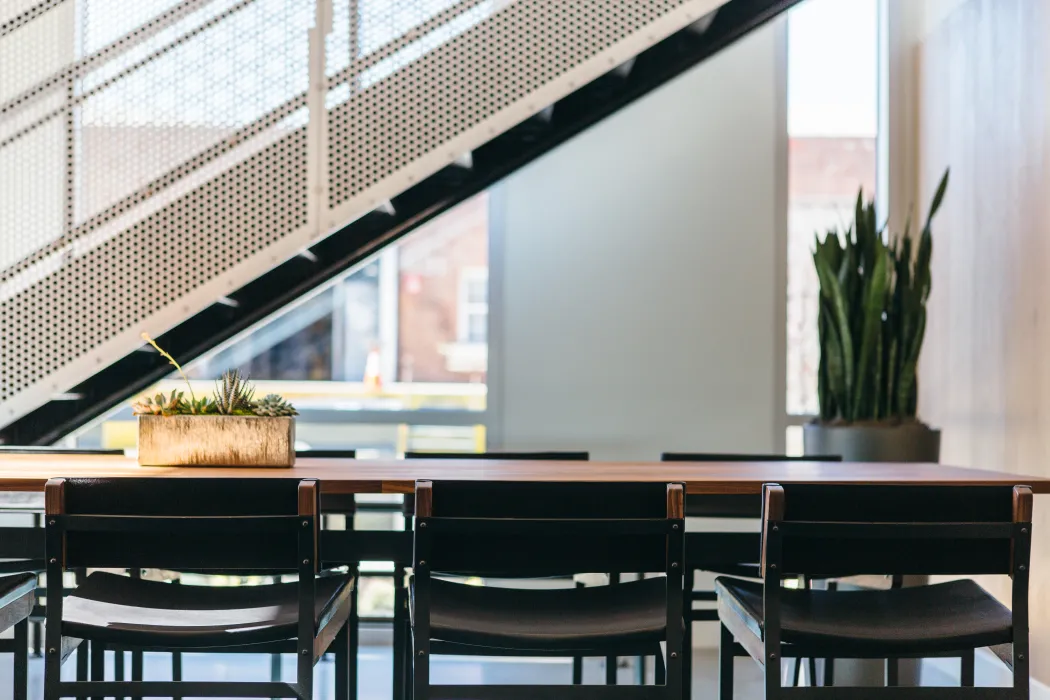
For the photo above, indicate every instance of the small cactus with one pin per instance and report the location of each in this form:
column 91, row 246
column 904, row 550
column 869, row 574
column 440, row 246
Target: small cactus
column 234, row 395
column 273, row 405
column 159, row 405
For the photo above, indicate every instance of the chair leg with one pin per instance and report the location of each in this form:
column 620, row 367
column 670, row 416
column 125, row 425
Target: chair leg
column 136, row 669
column 796, row 673
column 813, row 673
column 892, row 673
column 304, row 673
column 409, row 670
column 342, row 664
column 21, row 674
column 400, row 643
column 725, row 664
column 421, row 669
column 83, row 661
column 353, row 638
column 611, row 661
column 966, row 669
column 577, row 661
column 829, row 673
column 98, row 663
column 659, row 668
column 38, row 639
column 687, row 638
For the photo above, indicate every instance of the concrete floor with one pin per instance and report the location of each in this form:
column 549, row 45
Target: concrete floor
column 375, row 676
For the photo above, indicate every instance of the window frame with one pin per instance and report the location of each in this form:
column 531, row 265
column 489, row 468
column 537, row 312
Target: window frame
column 893, row 67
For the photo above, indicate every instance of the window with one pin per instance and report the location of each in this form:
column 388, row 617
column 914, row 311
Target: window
column 833, row 95
column 387, row 358
column 474, row 306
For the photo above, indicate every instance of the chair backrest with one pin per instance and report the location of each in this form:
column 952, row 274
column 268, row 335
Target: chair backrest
column 550, row 456
column 522, row 529
column 832, row 530
column 732, row 505
column 227, row 524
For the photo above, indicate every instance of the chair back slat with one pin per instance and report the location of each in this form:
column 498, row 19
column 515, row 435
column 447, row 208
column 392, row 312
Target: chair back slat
column 838, row 530
column 199, row 524
column 525, row 529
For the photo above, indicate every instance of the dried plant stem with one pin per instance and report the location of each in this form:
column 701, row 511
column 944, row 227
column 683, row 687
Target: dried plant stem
column 171, row 360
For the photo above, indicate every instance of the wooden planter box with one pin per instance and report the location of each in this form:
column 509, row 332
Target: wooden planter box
column 216, row 441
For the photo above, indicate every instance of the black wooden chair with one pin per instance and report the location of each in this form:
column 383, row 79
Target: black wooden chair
column 531, row 530
column 23, row 548
column 17, row 598
column 727, row 553
column 829, row 531
column 187, row 525
column 543, row 456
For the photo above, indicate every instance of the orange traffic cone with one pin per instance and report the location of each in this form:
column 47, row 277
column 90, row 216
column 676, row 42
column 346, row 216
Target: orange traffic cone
column 373, row 381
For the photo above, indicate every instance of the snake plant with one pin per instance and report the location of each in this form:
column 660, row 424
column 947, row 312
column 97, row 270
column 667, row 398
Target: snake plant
column 872, row 318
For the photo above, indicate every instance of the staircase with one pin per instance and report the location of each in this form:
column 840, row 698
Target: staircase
column 187, row 168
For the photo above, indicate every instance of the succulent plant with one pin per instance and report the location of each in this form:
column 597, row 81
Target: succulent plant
column 274, row 405
column 159, row 405
column 198, row 407
column 234, row 395
column 872, row 317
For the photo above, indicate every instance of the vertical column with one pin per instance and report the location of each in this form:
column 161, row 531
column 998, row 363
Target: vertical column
column 389, row 319
column 317, row 127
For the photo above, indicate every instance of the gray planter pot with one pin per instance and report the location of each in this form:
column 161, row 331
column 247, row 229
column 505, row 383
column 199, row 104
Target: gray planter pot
column 911, row 442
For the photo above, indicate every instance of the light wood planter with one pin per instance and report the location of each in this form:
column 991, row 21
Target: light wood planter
column 216, row 441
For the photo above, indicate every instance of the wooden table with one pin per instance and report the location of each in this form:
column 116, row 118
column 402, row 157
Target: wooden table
column 29, row 472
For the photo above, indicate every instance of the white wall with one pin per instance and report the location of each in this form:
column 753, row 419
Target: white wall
column 637, row 281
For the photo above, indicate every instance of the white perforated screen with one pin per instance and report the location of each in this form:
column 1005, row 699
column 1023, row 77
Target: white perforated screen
column 155, row 155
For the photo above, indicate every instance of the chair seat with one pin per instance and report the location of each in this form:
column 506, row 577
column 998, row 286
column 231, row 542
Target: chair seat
column 628, row 616
column 17, row 596
column 744, row 570
column 140, row 613
column 942, row 617
column 14, row 587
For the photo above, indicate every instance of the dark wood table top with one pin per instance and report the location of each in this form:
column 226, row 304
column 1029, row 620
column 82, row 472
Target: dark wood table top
column 29, row 472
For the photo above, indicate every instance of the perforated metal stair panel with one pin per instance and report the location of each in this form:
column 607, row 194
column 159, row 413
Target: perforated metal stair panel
column 390, row 124
column 154, row 156
column 129, row 277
